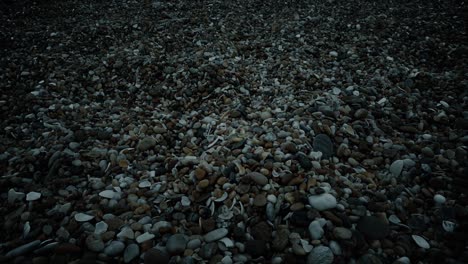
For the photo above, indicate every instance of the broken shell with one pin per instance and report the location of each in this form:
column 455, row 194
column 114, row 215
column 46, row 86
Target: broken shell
column 448, row 226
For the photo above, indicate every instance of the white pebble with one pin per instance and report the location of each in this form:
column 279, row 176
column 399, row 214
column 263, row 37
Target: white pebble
column 439, row 199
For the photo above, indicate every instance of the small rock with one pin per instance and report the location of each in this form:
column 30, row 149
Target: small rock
column 94, row 243
column 114, row 248
column 361, row 113
column 208, row 250
column 216, row 234
column 144, row 237
column 146, row 143
column 81, row 217
column 439, row 199
column 342, row 233
column 101, row 228
column 281, row 239
column 396, row 167
column 256, row 248
column 260, row 200
column 316, row 229
column 131, row 252
column 258, row 178
column 176, row 244
column 13, row 196
column 323, row 144
column 126, row 233
column 323, row 201
column 320, row 254
column 24, row 249
column 33, row 196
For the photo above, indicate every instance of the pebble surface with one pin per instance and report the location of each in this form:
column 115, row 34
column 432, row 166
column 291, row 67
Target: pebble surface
column 233, row 132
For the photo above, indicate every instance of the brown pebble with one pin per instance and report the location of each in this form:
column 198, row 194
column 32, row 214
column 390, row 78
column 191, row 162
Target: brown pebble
column 204, row 183
column 260, row 200
column 200, row 174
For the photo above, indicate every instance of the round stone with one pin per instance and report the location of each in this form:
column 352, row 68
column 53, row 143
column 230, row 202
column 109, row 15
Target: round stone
column 439, row 199
column 342, row 233
column 114, row 248
column 176, row 244
column 323, row 201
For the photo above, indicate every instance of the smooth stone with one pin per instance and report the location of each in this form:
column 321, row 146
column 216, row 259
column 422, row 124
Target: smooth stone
column 396, row 167
column 258, row 178
column 259, row 200
column 342, row 233
column 439, row 199
column 208, row 250
column 109, row 194
column 101, row 228
column 114, row 248
column 131, row 252
column 33, row 196
column 144, row 237
column 281, row 239
column 323, row 201
column 127, row 233
column 81, row 217
column 94, row 243
column 215, row 234
column 144, row 184
column 176, row 244
column 320, row 254
column 194, row 243
column 146, row 143
column 316, row 230
column 373, row 227
column 335, row 248
column 24, row 249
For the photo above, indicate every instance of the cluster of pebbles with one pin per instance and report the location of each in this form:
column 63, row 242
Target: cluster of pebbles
column 233, row 132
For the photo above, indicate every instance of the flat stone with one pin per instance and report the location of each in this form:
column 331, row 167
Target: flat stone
column 24, row 249
column 81, row 217
column 396, row 167
column 323, row 201
column 216, row 234
column 33, row 196
column 144, row 237
column 14, row 196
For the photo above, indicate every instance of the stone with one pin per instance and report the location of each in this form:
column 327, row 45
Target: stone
column 369, row 259
column 215, row 235
column 342, row 233
column 14, row 196
column 396, row 167
column 114, row 248
column 144, row 237
column 373, row 227
column 323, row 201
column 439, row 199
column 100, row 228
column 81, row 217
column 323, row 144
column 94, row 243
column 361, row 113
column 194, row 244
column 316, row 229
column 126, row 233
column 261, row 231
column 281, row 239
column 33, row 196
column 258, row 178
column 260, row 200
column 109, row 194
column 176, row 244
column 146, row 143
column 208, row 250
column 320, row 254
column 131, row 252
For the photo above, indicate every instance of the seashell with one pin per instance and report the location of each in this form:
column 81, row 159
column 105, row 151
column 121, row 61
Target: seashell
column 239, row 166
column 222, row 198
column 448, row 226
column 420, row 241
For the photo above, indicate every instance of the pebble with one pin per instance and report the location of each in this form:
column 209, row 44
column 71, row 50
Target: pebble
column 154, row 255
column 316, row 229
column 33, row 196
column 81, row 217
column 144, row 237
column 342, row 233
column 258, row 178
column 14, row 196
column 24, row 249
column 215, row 235
column 131, row 252
column 323, row 144
column 323, row 201
column 101, row 227
column 396, row 167
column 439, row 199
column 146, row 143
column 176, row 244
column 320, row 254
column 126, row 233
column 94, row 243
column 114, row 248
